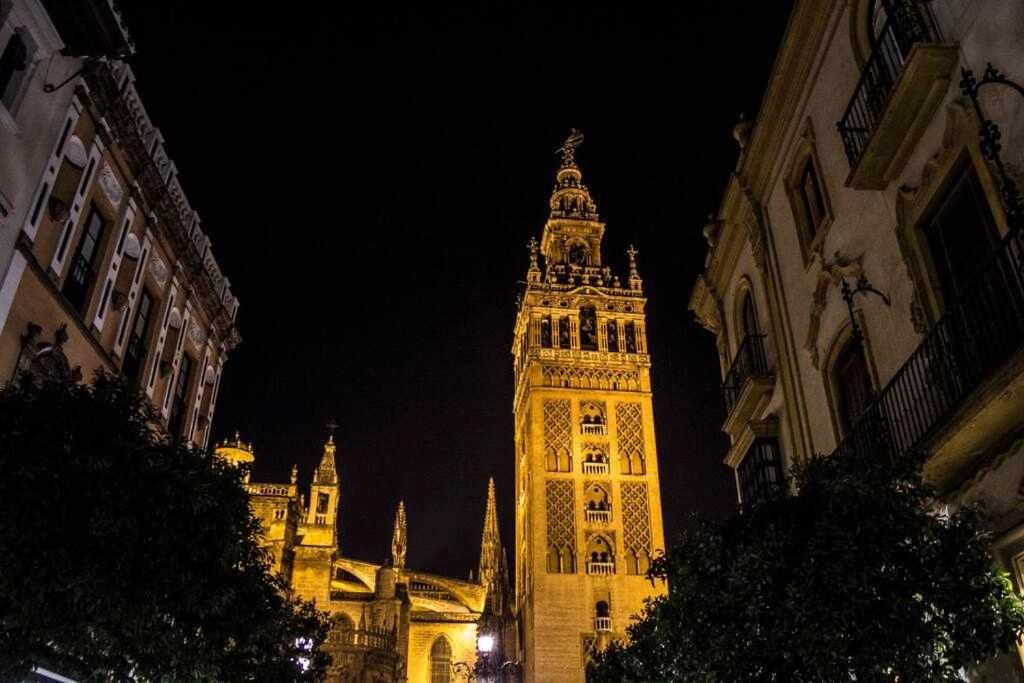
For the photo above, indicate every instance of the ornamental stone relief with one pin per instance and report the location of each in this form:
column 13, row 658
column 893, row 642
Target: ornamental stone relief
column 636, row 517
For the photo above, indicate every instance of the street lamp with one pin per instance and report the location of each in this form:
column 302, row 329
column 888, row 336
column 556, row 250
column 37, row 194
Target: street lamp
column 489, row 666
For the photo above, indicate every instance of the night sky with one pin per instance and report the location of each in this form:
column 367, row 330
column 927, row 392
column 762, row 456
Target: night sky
column 369, row 179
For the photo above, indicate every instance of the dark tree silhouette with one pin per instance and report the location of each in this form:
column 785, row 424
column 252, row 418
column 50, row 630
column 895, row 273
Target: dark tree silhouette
column 126, row 556
column 859, row 575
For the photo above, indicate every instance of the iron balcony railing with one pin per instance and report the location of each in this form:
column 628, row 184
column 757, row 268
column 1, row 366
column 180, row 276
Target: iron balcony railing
column 750, row 361
column 907, row 23
column 596, row 567
column 760, row 473
column 979, row 332
column 602, row 623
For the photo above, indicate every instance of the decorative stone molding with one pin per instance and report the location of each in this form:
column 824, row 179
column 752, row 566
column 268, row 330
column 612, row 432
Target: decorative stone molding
column 159, row 270
column 830, row 275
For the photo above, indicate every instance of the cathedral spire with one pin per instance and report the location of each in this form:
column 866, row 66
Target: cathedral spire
column 490, row 544
column 326, row 471
column 399, row 540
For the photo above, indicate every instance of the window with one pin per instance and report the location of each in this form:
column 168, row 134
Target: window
column 135, row 354
column 748, row 315
column 322, row 500
column 545, row 332
column 808, row 197
column 760, row 473
column 630, row 337
column 811, row 199
column 588, row 328
column 613, row 336
column 440, row 661
column 563, row 333
column 78, row 286
column 960, row 236
column 279, row 514
column 14, row 63
column 180, row 402
column 853, row 386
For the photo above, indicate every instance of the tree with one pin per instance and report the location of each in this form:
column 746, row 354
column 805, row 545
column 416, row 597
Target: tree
column 124, row 554
column 858, row 575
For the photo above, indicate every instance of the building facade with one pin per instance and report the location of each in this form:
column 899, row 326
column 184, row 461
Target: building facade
column 588, row 512
column 390, row 623
column 865, row 273
column 106, row 264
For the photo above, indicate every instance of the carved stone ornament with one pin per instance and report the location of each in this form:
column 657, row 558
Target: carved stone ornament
column 196, row 334
column 159, row 269
column 41, row 360
column 830, row 275
column 111, row 187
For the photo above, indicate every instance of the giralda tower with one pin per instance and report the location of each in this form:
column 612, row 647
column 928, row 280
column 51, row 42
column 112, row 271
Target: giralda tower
column 588, row 515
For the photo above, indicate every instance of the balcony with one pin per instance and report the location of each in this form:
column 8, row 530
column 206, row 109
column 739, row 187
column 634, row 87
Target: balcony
column 747, row 382
column 962, row 389
column 595, row 567
column 593, row 429
column 597, row 516
column 902, row 83
column 595, row 467
column 602, row 623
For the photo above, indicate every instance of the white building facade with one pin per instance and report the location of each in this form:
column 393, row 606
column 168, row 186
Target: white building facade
column 866, row 169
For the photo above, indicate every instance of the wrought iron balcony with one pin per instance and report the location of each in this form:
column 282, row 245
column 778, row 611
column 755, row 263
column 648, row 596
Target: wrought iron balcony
column 593, row 429
column 595, row 467
column 602, row 623
column 598, row 516
column 748, row 378
column 594, row 567
column 760, row 472
column 965, row 349
column 902, row 82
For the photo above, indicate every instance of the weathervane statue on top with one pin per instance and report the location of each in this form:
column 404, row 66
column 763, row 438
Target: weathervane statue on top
column 568, row 148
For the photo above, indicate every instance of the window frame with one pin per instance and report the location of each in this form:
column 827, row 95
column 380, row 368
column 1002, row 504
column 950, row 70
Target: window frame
column 811, row 237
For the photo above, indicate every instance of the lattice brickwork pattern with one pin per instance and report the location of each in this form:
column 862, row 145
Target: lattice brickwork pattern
column 557, row 426
column 636, row 517
column 561, row 511
column 630, row 429
column 591, row 378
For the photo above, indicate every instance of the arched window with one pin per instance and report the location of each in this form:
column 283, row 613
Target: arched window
column 545, row 332
column 554, row 560
column 601, row 609
column 440, row 661
column 748, row 315
column 568, row 560
column 342, row 632
column 588, row 328
column 852, row 385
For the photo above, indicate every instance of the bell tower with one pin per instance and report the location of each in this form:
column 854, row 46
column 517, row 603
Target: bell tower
column 588, row 513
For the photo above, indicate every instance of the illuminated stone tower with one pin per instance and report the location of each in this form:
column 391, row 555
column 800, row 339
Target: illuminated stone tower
column 588, row 516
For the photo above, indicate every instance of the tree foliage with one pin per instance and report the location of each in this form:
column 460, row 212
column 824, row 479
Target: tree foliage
column 127, row 555
column 856, row 576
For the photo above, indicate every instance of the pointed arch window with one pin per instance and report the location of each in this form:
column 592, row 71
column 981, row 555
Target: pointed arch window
column 440, row 661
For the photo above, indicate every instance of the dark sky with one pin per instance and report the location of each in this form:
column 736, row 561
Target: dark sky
column 369, row 178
